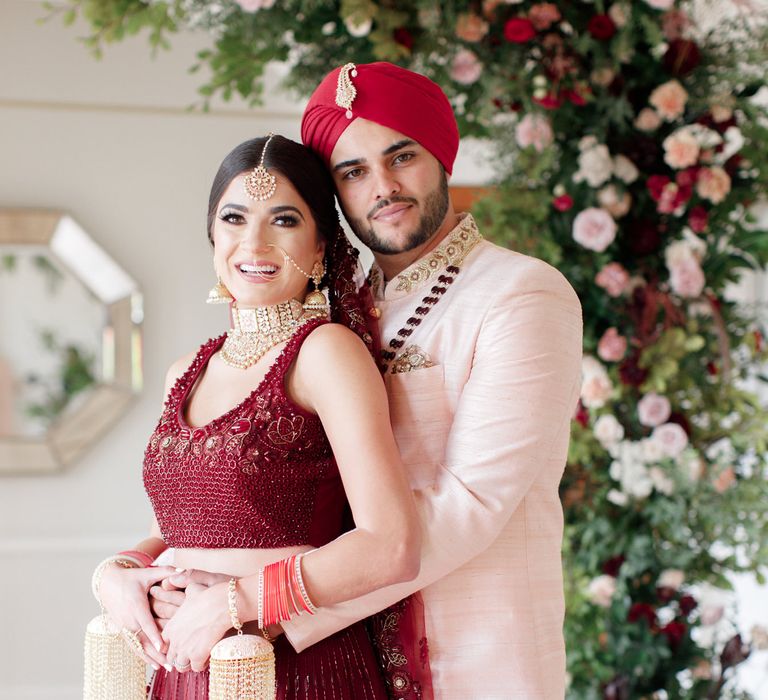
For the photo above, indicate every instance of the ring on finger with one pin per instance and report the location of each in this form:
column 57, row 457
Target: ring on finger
column 133, row 640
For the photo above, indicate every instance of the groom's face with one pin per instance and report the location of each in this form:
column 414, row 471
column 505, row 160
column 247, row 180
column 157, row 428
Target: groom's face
column 393, row 191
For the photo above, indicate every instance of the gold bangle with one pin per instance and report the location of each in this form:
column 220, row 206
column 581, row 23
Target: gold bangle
column 98, row 572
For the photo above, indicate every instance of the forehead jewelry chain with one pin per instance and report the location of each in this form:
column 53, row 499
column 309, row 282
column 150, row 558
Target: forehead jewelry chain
column 259, row 183
column 345, row 90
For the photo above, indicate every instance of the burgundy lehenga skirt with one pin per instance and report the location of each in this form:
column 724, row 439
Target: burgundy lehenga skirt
column 341, row 667
column 382, row 658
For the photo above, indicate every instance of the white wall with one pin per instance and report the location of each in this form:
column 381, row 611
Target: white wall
column 112, row 143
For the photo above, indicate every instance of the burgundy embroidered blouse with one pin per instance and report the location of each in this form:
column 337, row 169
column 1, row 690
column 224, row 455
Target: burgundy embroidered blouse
column 261, row 475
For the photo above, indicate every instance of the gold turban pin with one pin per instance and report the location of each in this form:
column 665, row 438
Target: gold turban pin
column 345, row 90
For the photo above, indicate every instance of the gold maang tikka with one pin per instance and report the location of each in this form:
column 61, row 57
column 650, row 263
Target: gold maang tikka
column 259, row 183
column 345, row 90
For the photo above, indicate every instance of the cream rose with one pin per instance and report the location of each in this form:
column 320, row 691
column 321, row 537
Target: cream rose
column 616, row 203
column 669, row 100
column 594, row 228
column 608, row 431
column 601, row 590
column 624, row 169
column 671, row 578
column 596, row 386
column 595, row 165
column 661, row 4
column 687, row 278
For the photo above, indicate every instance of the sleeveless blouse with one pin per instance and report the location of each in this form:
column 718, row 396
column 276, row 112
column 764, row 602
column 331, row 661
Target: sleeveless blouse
column 262, row 475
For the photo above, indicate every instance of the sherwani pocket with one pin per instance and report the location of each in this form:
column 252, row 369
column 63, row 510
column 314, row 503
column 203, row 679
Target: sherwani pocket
column 421, row 419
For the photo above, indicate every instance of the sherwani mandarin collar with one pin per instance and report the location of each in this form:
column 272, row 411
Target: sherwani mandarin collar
column 451, row 251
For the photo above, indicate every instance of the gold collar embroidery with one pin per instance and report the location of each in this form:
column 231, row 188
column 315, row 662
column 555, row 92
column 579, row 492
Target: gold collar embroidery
column 451, row 251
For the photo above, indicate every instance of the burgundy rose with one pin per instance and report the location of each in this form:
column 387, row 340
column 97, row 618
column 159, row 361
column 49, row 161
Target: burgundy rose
column 550, row 101
column 687, row 177
column 675, row 631
column 631, row 373
column 403, row 37
column 643, row 236
column 519, row 30
column 712, row 369
column 642, row 612
column 582, row 415
column 642, row 150
column 563, row 203
column 731, row 166
column 601, row 27
column 682, row 57
column 687, row 604
column 698, row 219
column 575, row 97
column 656, row 185
column 612, row 566
column 681, row 420
column 665, row 593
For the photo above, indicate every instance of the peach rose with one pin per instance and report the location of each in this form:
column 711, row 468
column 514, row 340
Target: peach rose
column 543, row 15
column 534, row 130
column 471, row 27
column 619, row 13
column 625, row 169
column 596, row 387
column 713, row 184
column 594, row 228
column 669, row 100
column 724, row 480
column 615, row 203
column 686, row 277
column 653, row 410
column 613, row 278
column 648, row 120
column 671, row 438
column 681, row 149
column 612, row 346
column 671, row 578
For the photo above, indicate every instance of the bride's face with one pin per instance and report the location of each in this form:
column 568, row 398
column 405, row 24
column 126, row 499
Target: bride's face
column 249, row 238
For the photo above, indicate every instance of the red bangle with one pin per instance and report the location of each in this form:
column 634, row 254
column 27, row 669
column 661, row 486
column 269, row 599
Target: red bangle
column 145, row 559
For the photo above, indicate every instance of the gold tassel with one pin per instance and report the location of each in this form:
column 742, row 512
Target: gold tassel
column 242, row 667
column 112, row 670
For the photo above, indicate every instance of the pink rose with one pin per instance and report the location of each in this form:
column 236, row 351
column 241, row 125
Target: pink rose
column 534, row 130
column 711, row 614
column 543, row 15
column 612, row 346
column 681, row 149
column 471, row 27
column 670, row 438
column 669, row 100
column 613, row 278
column 466, row 68
column 653, row 410
column 255, row 5
column 594, row 228
column 713, row 184
column 686, row 277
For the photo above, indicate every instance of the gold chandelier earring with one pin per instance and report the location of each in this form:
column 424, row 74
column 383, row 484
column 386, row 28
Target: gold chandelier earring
column 315, row 302
column 219, row 294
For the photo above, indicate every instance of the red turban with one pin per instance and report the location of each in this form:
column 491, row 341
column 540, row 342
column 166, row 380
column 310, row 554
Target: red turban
column 388, row 95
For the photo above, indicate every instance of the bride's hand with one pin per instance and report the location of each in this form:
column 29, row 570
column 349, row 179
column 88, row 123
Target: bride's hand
column 123, row 594
column 198, row 624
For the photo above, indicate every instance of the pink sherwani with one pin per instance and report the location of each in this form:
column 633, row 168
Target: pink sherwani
column 481, row 403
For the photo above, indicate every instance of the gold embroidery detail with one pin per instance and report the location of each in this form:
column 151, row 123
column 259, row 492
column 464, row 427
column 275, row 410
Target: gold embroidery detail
column 452, row 251
column 412, row 358
column 284, row 431
column 345, row 90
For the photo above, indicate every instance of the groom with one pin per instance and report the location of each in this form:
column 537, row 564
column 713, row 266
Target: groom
column 482, row 348
column 483, row 353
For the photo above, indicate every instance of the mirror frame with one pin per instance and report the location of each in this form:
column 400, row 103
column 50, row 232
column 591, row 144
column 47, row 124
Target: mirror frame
column 71, row 434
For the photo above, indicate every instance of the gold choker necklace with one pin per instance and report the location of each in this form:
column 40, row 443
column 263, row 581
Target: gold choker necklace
column 256, row 331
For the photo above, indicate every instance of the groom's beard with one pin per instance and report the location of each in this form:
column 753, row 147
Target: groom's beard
column 435, row 208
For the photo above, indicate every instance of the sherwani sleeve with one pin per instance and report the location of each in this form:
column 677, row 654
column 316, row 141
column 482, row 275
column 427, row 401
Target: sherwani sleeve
column 510, row 425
